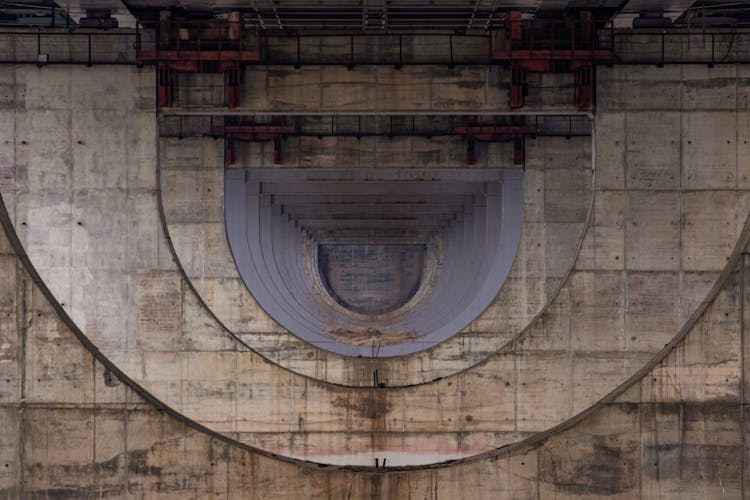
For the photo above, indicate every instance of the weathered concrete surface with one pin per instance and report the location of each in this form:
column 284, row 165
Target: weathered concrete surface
column 113, row 46
column 597, row 333
column 312, row 88
column 587, row 342
column 72, row 429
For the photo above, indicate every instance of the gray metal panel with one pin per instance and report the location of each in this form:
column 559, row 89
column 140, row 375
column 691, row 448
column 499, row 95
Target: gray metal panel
column 479, row 223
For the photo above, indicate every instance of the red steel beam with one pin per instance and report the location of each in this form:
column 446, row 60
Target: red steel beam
column 491, row 133
column 252, row 132
column 198, row 55
column 533, row 57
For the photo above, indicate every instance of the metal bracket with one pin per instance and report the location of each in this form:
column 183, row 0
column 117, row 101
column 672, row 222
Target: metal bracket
column 514, row 133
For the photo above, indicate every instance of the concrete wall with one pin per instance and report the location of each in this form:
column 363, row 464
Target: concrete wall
column 80, row 178
column 73, row 429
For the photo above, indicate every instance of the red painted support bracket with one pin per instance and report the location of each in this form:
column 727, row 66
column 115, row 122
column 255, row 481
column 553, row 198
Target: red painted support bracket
column 578, row 55
column 584, row 87
column 253, row 133
column 232, row 78
column 229, row 151
column 471, row 156
column 517, row 86
column 490, row 133
column 542, row 60
column 192, row 58
column 277, row 151
column 519, row 150
column 166, row 78
column 514, row 21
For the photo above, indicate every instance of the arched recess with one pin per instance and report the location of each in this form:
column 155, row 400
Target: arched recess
column 454, row 231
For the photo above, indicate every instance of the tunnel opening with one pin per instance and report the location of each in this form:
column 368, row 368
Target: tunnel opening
column 374, row 262
column 371, row 278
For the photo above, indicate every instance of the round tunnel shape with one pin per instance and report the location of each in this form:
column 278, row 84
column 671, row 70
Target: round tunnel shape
column 374, row 263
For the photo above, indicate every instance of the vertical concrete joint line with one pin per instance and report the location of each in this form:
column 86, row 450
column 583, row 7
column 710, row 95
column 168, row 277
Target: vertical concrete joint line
column 681, row 302
column 743, row 439
column 592, row 223
column 515, row 387
column 71, row 186
column 22, row 333
column 160, row 154
column 737, row 139
column 125, row 447
column 571, row 399
column 94, row 466
column 203, row 193
column 681, row 175
column 625, row 222
column 293, row 402
column 459, row 435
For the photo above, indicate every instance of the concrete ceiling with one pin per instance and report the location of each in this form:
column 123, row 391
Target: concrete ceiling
column 405, row 15
column 77, row 9
column 412, row 15
column 671, row 9
column 39, row 12
column 716, row 13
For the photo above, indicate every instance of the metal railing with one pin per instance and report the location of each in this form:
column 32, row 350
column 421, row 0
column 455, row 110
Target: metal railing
column 557, row 35
column 88, row 47
column 119, row 46
column 683, row 46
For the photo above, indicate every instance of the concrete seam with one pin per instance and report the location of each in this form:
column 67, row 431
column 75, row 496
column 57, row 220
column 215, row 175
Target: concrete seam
column 640, row 448
column 71, row 198
column 743, row 262
column 125, row 445
column 680, row 202
column 203, row 212
column 743, row 437
column 94, row 464
column 626, row 223
column 22, row 333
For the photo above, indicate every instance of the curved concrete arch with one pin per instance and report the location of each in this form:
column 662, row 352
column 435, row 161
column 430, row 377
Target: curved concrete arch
column 353, row 473
column 426, row 365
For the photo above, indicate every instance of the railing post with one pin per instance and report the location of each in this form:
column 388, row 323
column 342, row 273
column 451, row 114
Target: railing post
column 350, row 66
column 298, row 64
column 450, row 43
column 661, row 63
column 400, row 52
